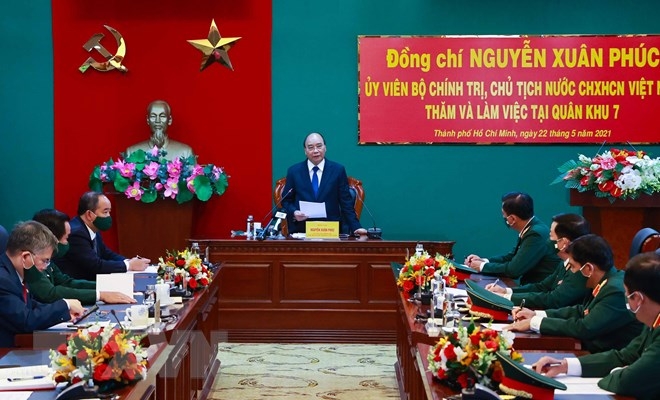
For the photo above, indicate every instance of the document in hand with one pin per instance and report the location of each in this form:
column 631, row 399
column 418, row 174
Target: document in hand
column 32, row 377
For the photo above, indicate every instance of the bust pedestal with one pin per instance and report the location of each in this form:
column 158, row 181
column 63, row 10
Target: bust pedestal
column 618, row 222
column 150, row 229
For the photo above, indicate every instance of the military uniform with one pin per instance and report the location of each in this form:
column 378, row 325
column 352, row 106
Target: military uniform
column 602, row 322
column 53, row 284
column 532, row 260
column 562, row 288
column 641, row 359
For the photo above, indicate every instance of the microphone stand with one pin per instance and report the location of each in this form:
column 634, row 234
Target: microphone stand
column 372, row 233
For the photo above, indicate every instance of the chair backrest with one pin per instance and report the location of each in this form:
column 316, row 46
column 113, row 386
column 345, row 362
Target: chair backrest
column 354, row 186
column 4, row 236
column 646, row 239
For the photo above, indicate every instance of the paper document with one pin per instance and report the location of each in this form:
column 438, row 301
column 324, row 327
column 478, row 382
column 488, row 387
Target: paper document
column 313, row 210
column 26, row 378
column 121, row 282
column 457, row 292
column 152, row 269
column 495, row 327
column 579, row 385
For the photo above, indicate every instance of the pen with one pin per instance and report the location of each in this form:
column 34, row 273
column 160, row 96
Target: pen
column 25, row 378
column 496, row 282
column 522, row 305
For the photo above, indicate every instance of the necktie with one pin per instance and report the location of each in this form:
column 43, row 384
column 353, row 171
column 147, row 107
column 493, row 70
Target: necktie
column 315, row 180
column 96, row 246
column 25, row 293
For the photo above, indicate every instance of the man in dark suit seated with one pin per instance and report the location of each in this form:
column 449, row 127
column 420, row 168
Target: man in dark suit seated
column 319, row 180
column 563, row 287
column 532, row 260
column 51, row 284
column 88, row 255
column 633, row 370
column 30, row 245
column 602, row 322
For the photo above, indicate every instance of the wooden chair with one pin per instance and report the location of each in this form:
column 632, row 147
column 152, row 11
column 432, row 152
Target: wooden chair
column 354, row 186
column 646, row 239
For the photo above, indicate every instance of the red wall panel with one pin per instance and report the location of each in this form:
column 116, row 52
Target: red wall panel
column 99, row 114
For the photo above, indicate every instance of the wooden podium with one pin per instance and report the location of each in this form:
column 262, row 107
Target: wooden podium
column 151, row 229
column 618, row 222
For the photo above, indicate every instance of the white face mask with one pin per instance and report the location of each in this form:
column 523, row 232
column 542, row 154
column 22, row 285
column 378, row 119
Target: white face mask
column 628, row 304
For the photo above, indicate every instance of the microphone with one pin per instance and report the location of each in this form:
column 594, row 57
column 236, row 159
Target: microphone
column 372, row 233
column 114, row 314
column 262, row 234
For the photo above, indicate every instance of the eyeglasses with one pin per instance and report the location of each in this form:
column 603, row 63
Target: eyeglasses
column 45, row 261
column 634, row 293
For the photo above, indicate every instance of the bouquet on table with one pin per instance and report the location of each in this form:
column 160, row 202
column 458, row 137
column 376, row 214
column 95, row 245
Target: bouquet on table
column 186, row 265
column 110, row 356
column 468, row 356
column 420, row 268
column 613, row 174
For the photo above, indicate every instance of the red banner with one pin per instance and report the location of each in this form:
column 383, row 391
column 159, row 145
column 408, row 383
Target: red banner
column 550, row 89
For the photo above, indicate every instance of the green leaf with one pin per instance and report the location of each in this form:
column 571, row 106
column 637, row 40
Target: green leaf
column 567, row 166
column 136, row 156
column 203, row 188
column 184, row 194
column 558, row 179
column 149, row 196
column 121, row 183
column 221, row 185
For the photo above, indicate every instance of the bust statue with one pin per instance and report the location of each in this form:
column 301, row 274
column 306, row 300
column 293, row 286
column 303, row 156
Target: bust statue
column 159, row 118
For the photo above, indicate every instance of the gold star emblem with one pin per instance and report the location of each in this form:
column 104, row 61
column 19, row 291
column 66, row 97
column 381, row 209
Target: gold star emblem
column 214, row 48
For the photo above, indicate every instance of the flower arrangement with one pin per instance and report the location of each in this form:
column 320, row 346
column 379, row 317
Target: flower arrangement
column 420, row 268
column 110, row 356
column 147, row 175
column 469, row 355
column 186, row 265
column 613, row 174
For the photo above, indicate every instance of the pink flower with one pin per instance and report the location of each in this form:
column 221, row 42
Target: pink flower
column 151, row 170
column 197, row 170
column 159, row 186
column 171, row 188
column 174, row 168
column 125, row 169
column 190, row 184
column 216, row 173
column 607, row 163
column 154, row 151
column 134, row 191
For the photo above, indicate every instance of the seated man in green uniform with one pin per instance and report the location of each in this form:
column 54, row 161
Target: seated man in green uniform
column 602, row 322
column 633, row 370
column 562, row 288
column 531, row 260
column 52, row 284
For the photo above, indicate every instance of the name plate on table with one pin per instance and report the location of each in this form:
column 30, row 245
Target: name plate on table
column 322, row 230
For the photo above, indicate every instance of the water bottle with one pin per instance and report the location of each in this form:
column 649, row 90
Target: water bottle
column 250, row 227
column 194, row 248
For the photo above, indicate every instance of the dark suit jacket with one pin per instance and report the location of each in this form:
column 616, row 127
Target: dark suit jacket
column 52, row 285
column 601, row 323
column 81, row 261
column 333, row 190
column 642, row 361
column 18, row 317
column 562, row 288
column 531, row 260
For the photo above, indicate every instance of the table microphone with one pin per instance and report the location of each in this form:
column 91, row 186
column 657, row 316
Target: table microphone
column 262, row 234
column 372, row 233
column 114, row 314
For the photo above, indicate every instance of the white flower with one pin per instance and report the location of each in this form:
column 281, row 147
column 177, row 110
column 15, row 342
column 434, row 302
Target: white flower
column 631, row 180
column 508, row 337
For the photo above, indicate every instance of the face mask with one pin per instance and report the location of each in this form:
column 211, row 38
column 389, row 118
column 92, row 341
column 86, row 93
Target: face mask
column 62, row 249
column 506, row 222
column 628, row 304
column 103, row 223
column 33, row 265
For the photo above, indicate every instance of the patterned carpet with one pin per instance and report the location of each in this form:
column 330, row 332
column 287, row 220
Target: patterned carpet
column 306, row 371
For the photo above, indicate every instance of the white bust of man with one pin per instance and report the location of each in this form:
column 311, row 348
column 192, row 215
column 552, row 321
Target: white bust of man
column 159, row 118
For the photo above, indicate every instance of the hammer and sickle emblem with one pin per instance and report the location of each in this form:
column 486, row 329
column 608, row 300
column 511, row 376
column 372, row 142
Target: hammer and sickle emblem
column 112, row 61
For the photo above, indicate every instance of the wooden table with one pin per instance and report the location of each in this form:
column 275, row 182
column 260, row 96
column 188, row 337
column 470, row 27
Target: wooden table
column 184, row 364
column 424, row 387
column 301, row 291
column 411, row 332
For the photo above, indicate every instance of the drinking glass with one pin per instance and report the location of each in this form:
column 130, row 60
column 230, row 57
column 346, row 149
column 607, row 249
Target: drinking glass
column 149, row 295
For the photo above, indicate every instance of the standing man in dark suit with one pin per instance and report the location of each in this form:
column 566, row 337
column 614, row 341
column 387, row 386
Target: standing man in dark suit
column 331, row 182
column 633, row 370
column 532, row 260
column 88, row 255
column 30, row 245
